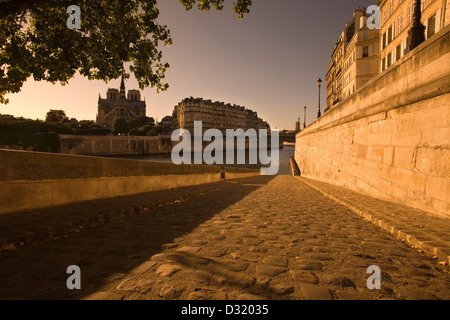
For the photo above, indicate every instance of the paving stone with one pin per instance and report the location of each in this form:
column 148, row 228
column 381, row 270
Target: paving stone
column 166, row 270
column 246, row 256
column 143, row 267
column 320, row 256
column 282, row 288
column 207, row 294
column 236, row 266
column 257, row 249
column 242, row 280
column 251, row 296
column 268, row 236
column 422, row 295
column 8, row 247
column 169, row 246
column 101, row 295
column 170, row 292
column 268, row 270
column 205, row 276
column 200, row 242
column 341, row 281
column 165, row 257
column 189, row 250
column 276, row 261
column 345, row 295
column 304, row 276
column 311, row 265
column 137, row 284
column 187, row 259
column 313, row 292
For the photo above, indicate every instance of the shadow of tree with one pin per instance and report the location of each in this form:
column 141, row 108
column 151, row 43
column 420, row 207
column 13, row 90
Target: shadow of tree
column 109, row 251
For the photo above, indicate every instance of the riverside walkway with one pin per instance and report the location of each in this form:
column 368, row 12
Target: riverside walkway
column 280, row 237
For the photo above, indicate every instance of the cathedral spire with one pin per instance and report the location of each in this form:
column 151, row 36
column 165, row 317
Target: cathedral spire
column 122, row 87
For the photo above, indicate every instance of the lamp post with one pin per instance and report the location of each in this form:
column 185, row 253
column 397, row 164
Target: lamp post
column 416, row 34
column 319, row 83
column 304, row 119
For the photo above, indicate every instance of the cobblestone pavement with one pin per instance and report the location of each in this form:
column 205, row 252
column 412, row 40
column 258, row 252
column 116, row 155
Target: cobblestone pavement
column 256, row 238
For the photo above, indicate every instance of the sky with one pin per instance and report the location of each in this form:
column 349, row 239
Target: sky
column 268, row 62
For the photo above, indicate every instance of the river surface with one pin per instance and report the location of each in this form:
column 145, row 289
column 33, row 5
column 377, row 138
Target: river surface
column 284, row 156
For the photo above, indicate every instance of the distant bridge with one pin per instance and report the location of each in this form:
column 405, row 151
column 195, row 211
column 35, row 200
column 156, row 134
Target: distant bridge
column 287, row 137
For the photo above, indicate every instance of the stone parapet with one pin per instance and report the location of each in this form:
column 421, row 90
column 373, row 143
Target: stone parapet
column 114, row 145
column 30, row 180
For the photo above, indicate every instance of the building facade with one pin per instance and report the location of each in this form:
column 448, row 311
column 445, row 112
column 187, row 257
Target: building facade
column 215, row 115
column 334, row 74
column 117, row 105
column 396, row 20
column 355, row 59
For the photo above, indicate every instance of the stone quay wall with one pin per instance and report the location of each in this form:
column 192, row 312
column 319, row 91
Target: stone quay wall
column 114, row 145
column 127, row 145
column 30, row 180
column 390, row 140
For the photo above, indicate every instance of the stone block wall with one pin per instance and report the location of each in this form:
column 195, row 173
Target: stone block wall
column 391, row 139
column 114, row 145
column 30, row 180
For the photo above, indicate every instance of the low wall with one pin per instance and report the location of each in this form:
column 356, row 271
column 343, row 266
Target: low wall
column 239, row 173
column 391, row 139
column 114, row 145
column 30, row 180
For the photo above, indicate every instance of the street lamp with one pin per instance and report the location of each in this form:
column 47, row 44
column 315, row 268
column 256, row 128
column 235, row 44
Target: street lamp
column 319, row 83
column 304, row 119
column 416, row 34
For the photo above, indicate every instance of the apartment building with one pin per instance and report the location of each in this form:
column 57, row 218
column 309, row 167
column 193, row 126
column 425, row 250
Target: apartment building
column 396, row 20
column 355, row 59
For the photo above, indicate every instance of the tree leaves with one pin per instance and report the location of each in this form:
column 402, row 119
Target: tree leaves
column 35, row 41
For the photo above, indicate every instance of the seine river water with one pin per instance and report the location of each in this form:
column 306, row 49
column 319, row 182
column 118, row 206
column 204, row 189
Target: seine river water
column 284, row 156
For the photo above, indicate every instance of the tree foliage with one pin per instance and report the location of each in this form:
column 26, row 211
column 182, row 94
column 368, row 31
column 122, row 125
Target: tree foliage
column 35, row 41
column 56, row 116
column 121, row 126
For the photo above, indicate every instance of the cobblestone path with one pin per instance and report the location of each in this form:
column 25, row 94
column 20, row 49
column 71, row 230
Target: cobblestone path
column 261, row 238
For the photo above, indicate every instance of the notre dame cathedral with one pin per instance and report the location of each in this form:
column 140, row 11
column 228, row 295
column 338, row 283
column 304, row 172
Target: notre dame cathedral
column 117, row 105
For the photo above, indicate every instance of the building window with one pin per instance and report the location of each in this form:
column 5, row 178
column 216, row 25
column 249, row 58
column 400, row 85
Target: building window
column 389, row 60
column 431, row 26
column 365, row 53
column 399, row 24
column 391, row 8
column 390, row 34
column 399, row 52
column 384, row 40
column 410, row 13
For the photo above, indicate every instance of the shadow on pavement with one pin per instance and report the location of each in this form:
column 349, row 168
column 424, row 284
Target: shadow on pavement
column 107, row 251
